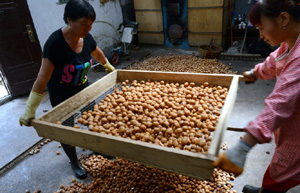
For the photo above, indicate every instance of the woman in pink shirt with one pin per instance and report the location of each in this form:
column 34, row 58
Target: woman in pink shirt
column 278, row 22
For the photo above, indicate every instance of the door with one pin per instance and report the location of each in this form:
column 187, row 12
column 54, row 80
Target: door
column 20, row 51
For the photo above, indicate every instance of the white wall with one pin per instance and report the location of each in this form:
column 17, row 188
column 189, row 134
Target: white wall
column 47, row 17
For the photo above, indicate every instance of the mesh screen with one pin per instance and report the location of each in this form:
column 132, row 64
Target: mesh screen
column 72, row 120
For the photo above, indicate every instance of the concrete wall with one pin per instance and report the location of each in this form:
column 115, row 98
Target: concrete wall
column 47, row 16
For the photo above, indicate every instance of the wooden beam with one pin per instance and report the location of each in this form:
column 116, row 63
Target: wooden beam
column 224, row 117
column 184, row 162
column 180, row 77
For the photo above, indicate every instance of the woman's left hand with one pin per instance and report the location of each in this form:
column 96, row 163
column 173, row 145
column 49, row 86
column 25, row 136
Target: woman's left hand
column 108, row 66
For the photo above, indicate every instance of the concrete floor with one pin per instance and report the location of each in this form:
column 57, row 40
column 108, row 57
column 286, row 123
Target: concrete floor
column 46, row 170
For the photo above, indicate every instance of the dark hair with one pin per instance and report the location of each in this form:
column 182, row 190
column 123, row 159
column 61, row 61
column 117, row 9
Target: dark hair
column 273, row 8
column 79, row 8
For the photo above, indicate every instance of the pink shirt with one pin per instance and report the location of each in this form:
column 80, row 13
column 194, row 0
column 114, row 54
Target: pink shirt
column 281, row 114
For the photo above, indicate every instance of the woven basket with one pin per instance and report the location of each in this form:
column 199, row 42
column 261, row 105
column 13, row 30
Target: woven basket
column 209, row 52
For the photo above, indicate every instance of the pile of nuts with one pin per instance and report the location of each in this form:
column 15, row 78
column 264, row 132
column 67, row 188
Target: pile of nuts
column 182, row 63
column 124, row 176
column 181, row 116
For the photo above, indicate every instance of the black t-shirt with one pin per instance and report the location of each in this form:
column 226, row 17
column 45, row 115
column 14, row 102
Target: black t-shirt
column 70, row 68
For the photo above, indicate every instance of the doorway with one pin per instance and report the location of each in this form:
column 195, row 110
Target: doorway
column 4, row 91
column 20, row 51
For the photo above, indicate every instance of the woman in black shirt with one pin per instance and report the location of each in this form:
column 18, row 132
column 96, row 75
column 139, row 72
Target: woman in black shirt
column 67, row 57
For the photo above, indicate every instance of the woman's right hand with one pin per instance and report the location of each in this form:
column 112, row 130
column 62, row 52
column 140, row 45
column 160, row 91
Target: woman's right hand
column 33, row 102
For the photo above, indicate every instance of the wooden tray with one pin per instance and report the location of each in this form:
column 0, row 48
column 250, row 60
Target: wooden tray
column 197, row 165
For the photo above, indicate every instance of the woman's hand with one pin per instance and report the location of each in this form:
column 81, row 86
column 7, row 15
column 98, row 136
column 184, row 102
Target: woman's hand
column 33, row 102
column 250, row 76
column 35, row 96
column 233, row 159
column 100, row 57
column 108, row 66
